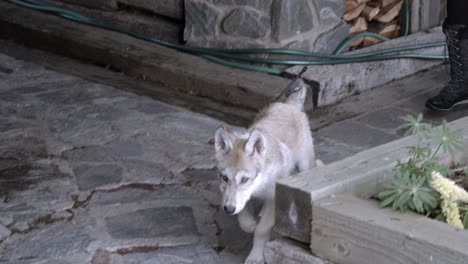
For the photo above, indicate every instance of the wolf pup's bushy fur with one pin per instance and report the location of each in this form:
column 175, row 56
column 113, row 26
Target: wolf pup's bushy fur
column 249, row 161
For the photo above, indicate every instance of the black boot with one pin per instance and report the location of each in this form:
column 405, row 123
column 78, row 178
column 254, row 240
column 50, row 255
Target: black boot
column 456, row 92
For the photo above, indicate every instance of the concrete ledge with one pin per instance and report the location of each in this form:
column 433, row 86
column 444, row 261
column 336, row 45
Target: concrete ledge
column 337, row 82
column 283, row 251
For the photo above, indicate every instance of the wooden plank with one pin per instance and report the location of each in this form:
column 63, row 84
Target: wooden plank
column 178, row 72
column 347, row 229
column 363, row 175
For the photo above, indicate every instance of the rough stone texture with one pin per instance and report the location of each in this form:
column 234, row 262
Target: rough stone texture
column 245, row 22
column 4, row 232
column 291, row 18
column 55, row 240
column 282, row 251
column 152, row 223
column 328, row 42
column 263, row 5
column 295, row 24
column 200, row 19
column 187, row 254
column 91, row 177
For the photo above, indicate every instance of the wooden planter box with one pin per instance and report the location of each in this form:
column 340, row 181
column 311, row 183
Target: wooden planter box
column 329, row 207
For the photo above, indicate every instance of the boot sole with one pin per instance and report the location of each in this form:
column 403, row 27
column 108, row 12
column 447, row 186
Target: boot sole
column 435, row 108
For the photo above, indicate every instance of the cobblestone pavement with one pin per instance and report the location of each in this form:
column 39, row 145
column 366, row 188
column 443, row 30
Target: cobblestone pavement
column 92, row 174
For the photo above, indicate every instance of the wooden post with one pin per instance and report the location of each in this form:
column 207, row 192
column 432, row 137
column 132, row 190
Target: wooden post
column 362, row 175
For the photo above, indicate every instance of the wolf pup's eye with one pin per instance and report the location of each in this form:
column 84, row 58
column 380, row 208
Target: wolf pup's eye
column 223, row 177
column 244, row 179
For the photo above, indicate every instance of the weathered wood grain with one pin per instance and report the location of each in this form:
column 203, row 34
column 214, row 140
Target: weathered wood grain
column 363, row 175
column 347, row 229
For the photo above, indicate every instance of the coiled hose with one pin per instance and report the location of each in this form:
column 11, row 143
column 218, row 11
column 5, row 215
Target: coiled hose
column 238, row 58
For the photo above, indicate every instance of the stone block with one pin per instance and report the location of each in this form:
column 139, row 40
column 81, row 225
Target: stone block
column 200, row 19
column 87, row 154
column 169, row 8
column 283, row 251
column 327, row 42
column 227, row 42
column 153, row 223
column 89, row 177
column 186, row 254
column 54, row 240
column 330, row 11
column 146, row 193
column 4, row 232
column 125, row 149
column 263, row 5
column 246, row 22
column 290, row 18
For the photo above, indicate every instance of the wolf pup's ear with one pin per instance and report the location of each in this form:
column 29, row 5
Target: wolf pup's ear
column 256, row 143
column 222, row 141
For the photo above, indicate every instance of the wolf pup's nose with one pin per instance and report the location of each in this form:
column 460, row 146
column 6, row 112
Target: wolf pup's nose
column 229, row 209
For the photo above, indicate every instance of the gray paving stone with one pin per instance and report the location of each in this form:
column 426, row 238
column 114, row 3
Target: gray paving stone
column 89, row 177
column 98, row 112
column 54, row 240
column 232, row 238
column 87, row 154
column 201, row 175
column 187, row 254
column 355, row 134
column 67, row 94
column 147, row 106
column 145, row 171
column 125, row 149
column 82, row 132
column 4, row 232
column 153, row 223
column 143, row 193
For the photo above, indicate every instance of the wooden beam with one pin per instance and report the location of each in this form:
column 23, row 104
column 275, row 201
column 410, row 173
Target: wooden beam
column 363, row 175
column 173, row 71
column 347, row 229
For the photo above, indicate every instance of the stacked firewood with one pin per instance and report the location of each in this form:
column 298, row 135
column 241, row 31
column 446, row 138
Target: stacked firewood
column 377, row 16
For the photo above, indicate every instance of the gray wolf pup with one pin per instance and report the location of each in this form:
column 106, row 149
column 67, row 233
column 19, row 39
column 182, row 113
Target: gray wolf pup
column 250, row 160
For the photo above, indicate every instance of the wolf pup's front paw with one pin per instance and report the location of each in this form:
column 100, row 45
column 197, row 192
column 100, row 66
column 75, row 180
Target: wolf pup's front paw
column 255, row 259
column 247, row 222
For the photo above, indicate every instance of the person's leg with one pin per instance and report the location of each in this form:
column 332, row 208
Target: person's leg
column 456, row 29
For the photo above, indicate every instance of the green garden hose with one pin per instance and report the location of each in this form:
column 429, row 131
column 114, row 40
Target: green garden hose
column 239, row 58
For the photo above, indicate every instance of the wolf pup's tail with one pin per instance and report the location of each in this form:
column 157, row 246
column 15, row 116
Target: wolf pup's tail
column 297, row 94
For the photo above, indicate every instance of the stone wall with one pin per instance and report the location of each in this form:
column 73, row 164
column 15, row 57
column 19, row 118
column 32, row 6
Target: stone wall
column 162, row 19
column 294, row 24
